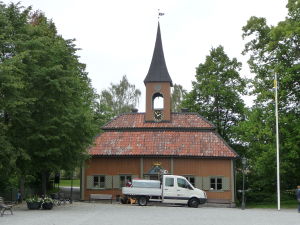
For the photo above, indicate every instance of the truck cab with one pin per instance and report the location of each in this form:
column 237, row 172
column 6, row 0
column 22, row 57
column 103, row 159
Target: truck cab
column 178, row 190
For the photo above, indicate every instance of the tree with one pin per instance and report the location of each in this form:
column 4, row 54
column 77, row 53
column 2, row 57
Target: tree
column 50, row 114
column 177, row 96
column 7, row 159
column 216, row 92
column 119, row 98
column 274, row 49
column 12, row 101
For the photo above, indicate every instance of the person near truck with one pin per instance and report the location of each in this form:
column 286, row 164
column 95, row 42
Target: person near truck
column 298, row 197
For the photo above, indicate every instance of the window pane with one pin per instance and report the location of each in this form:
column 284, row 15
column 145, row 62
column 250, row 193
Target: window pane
column 102, row 185
column 102, row 182
column 122, row 181
column 219, row 186
column 181, row 183
column 192, row 181
column 96, row 181
column 213, row 183
column 102, row 179
column 169, row 182
column 219, row 183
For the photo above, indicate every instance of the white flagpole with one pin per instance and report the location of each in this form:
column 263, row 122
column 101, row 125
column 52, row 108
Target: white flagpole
column 277, row 142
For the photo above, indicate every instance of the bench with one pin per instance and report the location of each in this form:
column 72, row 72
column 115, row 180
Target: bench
column 100, row 197
column 4, row 207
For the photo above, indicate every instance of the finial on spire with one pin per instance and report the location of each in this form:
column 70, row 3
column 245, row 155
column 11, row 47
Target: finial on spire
column 160, row 14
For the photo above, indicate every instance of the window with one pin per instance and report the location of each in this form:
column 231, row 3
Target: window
column 169, row 182
column 191, row 179
column 99, row 181
column 124, row 179
column 182, row 183
column 216, row 183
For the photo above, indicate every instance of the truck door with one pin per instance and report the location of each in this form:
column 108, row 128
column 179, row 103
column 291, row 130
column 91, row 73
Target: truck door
column 184, row 190
column 172, row 193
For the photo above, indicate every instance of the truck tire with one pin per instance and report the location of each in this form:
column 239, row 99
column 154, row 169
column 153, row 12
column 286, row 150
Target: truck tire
column 193, row 203
column 143, row 201
column 124, row 200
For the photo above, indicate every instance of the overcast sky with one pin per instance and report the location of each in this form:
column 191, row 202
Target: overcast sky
column 117, row 37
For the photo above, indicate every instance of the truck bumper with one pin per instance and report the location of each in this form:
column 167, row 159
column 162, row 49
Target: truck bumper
column 202, row 200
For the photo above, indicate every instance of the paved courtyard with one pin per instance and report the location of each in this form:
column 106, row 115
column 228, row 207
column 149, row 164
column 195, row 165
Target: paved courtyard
column 117, row 214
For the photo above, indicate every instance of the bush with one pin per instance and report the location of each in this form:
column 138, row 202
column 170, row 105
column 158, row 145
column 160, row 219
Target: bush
column 254, row 196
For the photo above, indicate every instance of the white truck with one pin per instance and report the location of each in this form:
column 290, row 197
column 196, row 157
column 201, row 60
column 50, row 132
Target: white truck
column 173, row 189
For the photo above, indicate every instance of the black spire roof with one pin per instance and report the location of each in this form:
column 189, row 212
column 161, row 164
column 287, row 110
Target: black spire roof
column 158, row 71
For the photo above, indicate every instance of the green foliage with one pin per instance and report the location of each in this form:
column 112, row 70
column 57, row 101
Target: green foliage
column 216, row 92
column 286, row 204
column 118, row 98
column 259, row 197
column 76, row 183
column 274, row 49
column 47, row 103
column 34, row 198
column 177, row 96
column 7, row 159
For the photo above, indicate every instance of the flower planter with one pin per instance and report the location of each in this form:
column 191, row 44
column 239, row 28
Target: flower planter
column 34, row 205
column 47, row 205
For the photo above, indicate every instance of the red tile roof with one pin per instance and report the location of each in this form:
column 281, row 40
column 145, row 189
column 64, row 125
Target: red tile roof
column 178, row 120
column 161, row 143
column 187, row 135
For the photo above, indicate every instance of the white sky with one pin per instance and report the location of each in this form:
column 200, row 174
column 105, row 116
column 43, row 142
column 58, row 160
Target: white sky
column 117, row 36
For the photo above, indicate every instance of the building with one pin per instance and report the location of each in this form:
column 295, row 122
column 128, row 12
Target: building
column 139, row 145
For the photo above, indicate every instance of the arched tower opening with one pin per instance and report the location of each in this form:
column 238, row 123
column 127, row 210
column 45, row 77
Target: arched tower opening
column 158, row 101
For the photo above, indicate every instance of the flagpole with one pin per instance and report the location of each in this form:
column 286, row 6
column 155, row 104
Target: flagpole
column 277, row 142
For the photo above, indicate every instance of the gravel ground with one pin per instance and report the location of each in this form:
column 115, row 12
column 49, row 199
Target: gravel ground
column 116, row 214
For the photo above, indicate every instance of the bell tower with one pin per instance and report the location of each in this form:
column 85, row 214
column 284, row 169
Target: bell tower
column 158, row 86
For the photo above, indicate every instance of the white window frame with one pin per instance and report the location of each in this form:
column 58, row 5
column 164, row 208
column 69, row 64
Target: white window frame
column 214, row 186
column 126, row 176
column 99, row 185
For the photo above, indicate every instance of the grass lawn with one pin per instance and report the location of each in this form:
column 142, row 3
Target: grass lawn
column 288, row 204
column 76, row 183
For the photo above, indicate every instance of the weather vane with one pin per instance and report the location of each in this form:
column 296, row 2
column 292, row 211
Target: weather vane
column 160, row 14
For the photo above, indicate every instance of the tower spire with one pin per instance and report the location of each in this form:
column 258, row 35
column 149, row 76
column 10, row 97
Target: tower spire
column 158, row 86
column 158, row 71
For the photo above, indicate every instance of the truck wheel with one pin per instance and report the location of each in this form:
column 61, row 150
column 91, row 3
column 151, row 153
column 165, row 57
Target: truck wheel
column 124, row 200
column 193, row 203
column 143, row 201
